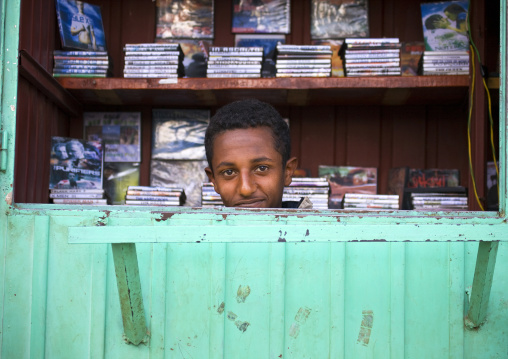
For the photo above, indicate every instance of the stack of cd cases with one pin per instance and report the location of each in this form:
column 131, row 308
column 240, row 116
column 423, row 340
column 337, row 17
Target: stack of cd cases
column 210, row 198
column 231, row 62
column 303, row 60
column 82, row 196
column 81, row 63
column 315, row 188
column 153, row 60
column 371, row 56
column 155, row 196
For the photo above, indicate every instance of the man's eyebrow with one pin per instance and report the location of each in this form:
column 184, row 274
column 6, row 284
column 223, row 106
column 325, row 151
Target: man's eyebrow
column 255, row 160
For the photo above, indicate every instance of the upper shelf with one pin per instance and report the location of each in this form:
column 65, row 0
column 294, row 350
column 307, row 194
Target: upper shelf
column 278, row 91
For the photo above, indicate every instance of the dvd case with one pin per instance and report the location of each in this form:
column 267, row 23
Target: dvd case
column 119, row 131
column 261, row 16
column 177, row 19
column 331, row 19
column 75, row 163
column 80, row 25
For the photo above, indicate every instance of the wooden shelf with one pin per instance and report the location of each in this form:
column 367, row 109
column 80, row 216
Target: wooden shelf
column 278, row 91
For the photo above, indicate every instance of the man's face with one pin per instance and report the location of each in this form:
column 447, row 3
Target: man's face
column 247, row 169
column 75, row 151
column 61, row 152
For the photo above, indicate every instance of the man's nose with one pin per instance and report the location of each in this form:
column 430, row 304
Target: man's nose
column 247, row 184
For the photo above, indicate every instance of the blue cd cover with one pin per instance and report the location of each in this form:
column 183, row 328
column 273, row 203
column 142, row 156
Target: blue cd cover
column 80, row 25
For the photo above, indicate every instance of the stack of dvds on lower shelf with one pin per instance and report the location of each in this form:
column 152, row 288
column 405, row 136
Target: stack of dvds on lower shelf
column 81, row 64
column 315, row 188
column 364, row 201
column 303, row 60
column 155, row 196
column 371, row 56
column 445, row 63
column 210, row 198
column 230, row 62
column 153, row 60
column 439, row 201
column 78, row 196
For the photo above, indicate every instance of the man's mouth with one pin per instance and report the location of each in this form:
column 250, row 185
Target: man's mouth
column 250, row 203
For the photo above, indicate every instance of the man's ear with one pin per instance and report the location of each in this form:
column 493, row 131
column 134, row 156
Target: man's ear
column 209, row 173
column 290, row 168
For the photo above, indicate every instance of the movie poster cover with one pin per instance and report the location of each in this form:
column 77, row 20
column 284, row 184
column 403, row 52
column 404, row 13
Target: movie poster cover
column 261, row 16
column 336, row 19
column 184, row 19
column 348, row 179
column 188, row 175
column 75, row 163
column 445, row 26
column 119, row 133
column 117, row 177
column 179, row 134
column 80, row 25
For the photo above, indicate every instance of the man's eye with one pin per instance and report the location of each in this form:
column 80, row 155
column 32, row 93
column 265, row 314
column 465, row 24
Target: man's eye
column 228, row 172
column 262, row 168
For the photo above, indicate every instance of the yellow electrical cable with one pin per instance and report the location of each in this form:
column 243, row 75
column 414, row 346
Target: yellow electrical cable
column 473, row 77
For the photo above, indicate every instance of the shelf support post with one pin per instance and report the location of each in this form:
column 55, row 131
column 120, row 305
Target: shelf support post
column 482, row 283
column 129, row 291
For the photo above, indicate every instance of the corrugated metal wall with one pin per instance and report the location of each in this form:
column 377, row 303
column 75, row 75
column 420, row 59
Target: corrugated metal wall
column 305, row 300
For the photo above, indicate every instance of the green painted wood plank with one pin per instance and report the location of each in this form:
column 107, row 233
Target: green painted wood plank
column 39, row 286
column 427, row 316
column 307, row 308
column 188, row 306
column 18, row 292
column 218, row 313
column 157, row 303
column 397, row 270
column 129, row 291
column 284, row 233
column 456, row 269
column 337, row 264
column 97, row 292
column 276, row 279
column 482, row 283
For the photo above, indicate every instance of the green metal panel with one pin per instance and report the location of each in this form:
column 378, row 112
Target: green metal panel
column 272, row 297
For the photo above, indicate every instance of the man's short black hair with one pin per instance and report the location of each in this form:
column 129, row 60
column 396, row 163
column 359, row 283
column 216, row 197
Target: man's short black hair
column 250, row 113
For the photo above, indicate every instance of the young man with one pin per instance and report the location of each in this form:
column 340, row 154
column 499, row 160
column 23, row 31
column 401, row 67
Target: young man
column 247, row 147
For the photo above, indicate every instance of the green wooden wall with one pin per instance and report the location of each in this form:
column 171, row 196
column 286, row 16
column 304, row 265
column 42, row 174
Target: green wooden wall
column 341, row 299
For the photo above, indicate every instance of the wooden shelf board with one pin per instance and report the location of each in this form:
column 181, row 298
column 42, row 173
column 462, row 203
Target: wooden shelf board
column 278, row 91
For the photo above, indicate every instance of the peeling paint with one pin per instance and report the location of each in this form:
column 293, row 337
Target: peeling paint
column 366, row 327
column 242, row 326
column 13, row 108
column 164, row 216
column 242, row 293
column 232, row 316
column 8, row 198
column 220, row 310
column 300, row 318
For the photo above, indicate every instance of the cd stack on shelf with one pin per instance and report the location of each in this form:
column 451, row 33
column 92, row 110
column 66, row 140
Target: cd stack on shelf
column 155, row 196
column 148, row 60
column 439, row 201
column 315, row 188
column 210, row 198
column 303, row 60
column 82, row 196
column 371, row 56
column 81, row 63
column 445, row 63
column 231, row 62
column 363, row 201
